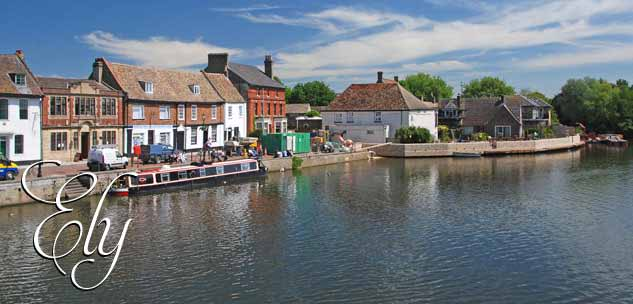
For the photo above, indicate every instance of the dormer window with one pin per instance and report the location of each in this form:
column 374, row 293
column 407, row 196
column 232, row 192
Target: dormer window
column 18, row 79
column 196, row 89
column 149, row 87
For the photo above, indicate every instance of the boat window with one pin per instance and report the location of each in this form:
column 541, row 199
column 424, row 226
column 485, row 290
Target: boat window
column 202, row 172
column 253, row 165
column 210, row 171
column 145, row 179
column 244, row 167
column 232, row 168
column 194, row 173
column 173, row 176
column 164, row 177
column 182, row 175
column 219, row 170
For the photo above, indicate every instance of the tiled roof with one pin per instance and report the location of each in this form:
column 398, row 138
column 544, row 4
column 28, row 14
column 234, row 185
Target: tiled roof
column 253, row 76
column 65, row 83
column 224, row 87
column 297, row 108
column 389, row 96
column 169, row 85
column 528, row 102
column 478, row 111
column 11, row 63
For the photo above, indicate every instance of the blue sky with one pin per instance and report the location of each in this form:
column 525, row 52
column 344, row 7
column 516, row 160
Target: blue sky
column 531, row 44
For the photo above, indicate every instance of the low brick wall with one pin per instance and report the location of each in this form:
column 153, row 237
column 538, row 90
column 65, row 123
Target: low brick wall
column 502, row 147
column 313, row 160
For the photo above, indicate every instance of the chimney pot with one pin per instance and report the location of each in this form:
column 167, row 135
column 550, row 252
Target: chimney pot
column 268, row 65
column 395, row 78
column 218, row 63
column 379, row 77
column 97, row 70
column 20, row 54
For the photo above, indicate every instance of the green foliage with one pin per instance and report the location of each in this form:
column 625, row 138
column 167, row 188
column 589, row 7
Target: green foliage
column 444, row 133
column 481, row 136
column 296, row 162
column 414, row 135
column 313, row 113
column 487, row 86
column 601, row 106
column 427, row 87
column 316, row 93
column 256, row 133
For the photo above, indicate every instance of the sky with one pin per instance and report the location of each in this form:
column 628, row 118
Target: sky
column 535, row 45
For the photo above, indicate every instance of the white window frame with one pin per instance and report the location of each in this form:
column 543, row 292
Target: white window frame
column 230, row 111
column 140, row 108
column 149, row 87
column 161, row 109
column 181, row 112
column 535, row 113
column 167, row 137
column 194, row 136
column 214, row 112
column 22, row 77
column 194, row 112
column 196, row 89
column 497, row 127
column 350, row 117
column 378, row 116
column 241, row 109
column 338, row 117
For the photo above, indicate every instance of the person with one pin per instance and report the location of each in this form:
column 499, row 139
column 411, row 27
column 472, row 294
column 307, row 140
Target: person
column 208, row 147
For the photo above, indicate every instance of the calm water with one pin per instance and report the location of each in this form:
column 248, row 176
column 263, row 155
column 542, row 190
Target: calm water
column 525, row 229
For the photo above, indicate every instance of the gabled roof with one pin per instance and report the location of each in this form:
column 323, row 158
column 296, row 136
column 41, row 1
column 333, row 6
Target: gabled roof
column 297, row 108
column 253, row 76
column 389, row 96
column 65, row 83
column 478, row 111
column 169, row 85
column 224, row 87
column 527, row 102
column 13, row 64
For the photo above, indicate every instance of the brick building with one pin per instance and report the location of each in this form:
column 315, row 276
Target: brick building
column 265, row 97
column 78, row 114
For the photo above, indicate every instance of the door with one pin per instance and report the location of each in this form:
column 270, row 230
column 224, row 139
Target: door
column 205, row 136
column 150, row 137
column 236, row 132
column 129, row 141
column 3, row 147
column 180, row 140
column 85, row 144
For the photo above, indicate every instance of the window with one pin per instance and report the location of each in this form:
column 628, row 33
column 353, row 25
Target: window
column 108, row 106
column 338, row 117
column 164, row 177
column 535, row 114
column 18, row 79
column 241, row 110
column 138, row 139
column 95, row 140
column 164, row 138
column 164, row 112
column 277, row 126
column 138, row 111
column 181, row 112
column 270, row 109
column 57, row 105
column 182, row 174
column 84, row 106
column 244, row 167
column 19, row 144
column 219, row 170
column 196, row 89
column 194, row 136
column 503, row 131
column 75, row 140
column 194, row 112
column 230, row 111
column 58, row 141
column 377, row 116
column 259, row 92
column 350, row 117
column 108, row 137
column 149, row 87
column 370, row 132
column 214, row 112
column 24, row 109
column 214, row 133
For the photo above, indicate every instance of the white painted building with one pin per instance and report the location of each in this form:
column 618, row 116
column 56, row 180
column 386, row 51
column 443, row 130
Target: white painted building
column 373, row 112
column 234, row 120
column 20, row 111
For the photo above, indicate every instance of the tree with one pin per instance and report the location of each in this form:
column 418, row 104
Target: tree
column 487, row 87
column 427, row 87
column 316, row 93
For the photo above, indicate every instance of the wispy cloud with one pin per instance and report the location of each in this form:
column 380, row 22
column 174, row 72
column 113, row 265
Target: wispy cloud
column 155, row 51
column 602, row 55
column 260, row 7
column 438, row 66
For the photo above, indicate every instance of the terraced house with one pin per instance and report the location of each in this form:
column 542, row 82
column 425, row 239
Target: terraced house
column 20, row 108
column 177, row 108
column 78, row 114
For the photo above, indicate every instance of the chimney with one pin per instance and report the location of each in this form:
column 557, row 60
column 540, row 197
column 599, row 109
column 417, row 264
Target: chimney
column 459, row 98
column 395, row 78
column 97, row 70
column 268, row 65
column 218, row 63
column 20, row 54
column 379, row 77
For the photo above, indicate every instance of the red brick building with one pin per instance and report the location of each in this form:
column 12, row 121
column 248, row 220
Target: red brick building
column 78, row 114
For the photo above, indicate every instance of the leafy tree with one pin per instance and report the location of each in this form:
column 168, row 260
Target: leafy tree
column 414, row 135
column 313, row 113
column 486, row 87
column 316, row 93
column 427, row 87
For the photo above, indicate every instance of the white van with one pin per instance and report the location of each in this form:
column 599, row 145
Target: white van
column 106, row 158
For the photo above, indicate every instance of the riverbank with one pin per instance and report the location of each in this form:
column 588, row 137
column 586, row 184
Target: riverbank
column 484, row 148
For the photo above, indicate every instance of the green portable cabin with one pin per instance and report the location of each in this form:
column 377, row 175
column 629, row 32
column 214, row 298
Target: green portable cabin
column 295, row 142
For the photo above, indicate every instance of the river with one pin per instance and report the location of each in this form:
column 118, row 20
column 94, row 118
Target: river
column 518, row 229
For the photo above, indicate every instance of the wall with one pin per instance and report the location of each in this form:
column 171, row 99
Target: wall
column 363, row 133
column 152, row 114
column 424, row 119
column 236, row 120
column 265, row 102
column 277, row 164
column 30, row 128
column 392, row 119
column 68, row 154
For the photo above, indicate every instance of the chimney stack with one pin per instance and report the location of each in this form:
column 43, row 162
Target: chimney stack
column 268, row 65
column 379, row 77
column 395, row 78
column 218, row 63
column 97, row 70
column 20, row 54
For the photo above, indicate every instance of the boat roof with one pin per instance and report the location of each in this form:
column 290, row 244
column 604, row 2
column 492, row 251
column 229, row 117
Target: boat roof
column 192, row 167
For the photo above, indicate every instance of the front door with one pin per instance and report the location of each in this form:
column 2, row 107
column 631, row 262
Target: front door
column 205, row 136
column 85, row 144
column 150, row 137
column 180, row 140
column 3, row 146
column 236, row 132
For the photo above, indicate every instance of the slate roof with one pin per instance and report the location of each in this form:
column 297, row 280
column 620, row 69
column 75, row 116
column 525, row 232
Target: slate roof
column 478, row 111
column 253, row 76
column 389, row 96
column 64, row 83
column 11, row 63
column 172, row 85
column 297, row 108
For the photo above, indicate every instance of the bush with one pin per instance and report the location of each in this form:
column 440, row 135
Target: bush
column 256, row 133
column 444, row 133
column 296, row 162
column 481, row 136
column 414, row 135
column 313, row 113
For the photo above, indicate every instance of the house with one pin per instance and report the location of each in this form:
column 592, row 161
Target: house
column 265, row 97
column 451, row 112
column 505, row 116
column 373, row 112
column 298, row 120
column 78, row 114
column 177, row 108
column 20, row 110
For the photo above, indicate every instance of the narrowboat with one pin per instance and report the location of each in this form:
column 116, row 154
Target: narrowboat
column 195, row 174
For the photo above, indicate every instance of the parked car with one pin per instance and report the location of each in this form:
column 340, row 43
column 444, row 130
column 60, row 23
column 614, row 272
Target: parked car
column 156, row 153
column 106, row 158
column 8, row 169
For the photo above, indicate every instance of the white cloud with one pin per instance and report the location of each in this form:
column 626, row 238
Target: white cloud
column 603, row 55
column 438, row 66
column 155, row 51
column 261, row 7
